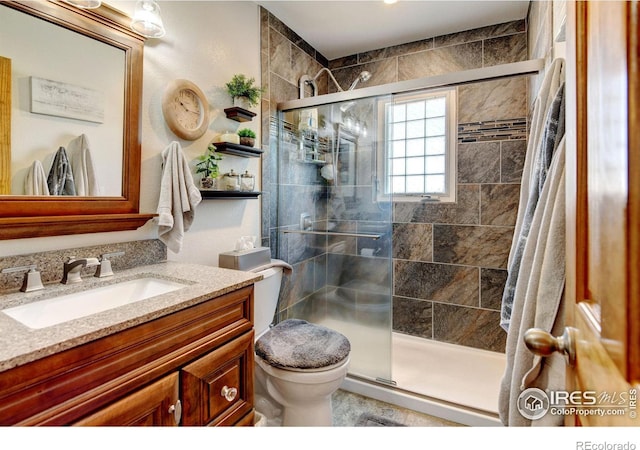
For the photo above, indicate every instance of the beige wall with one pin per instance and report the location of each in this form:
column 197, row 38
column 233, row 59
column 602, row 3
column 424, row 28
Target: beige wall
column 206, row 42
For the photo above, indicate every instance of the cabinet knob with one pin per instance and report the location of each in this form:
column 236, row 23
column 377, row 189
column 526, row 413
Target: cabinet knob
column 229, row 393
column 176, row 410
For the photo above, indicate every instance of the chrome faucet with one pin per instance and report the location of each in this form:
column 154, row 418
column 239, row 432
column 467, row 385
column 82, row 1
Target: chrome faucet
column 73, row 268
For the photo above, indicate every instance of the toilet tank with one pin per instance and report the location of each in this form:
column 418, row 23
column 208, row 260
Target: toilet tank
column 265, row 302
column 266, row 291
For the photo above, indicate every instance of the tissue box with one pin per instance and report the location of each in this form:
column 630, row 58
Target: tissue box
column 245, row 259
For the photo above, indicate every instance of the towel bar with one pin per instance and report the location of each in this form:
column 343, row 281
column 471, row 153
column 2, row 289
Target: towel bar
column 332, row 233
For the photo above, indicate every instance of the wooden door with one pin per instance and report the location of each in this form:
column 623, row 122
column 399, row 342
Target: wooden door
column 603, row 202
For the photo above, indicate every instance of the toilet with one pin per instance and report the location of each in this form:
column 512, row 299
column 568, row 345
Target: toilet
column 299, row 365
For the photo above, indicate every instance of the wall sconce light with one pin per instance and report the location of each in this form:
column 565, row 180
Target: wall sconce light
column 146, row 19
column 85, row 4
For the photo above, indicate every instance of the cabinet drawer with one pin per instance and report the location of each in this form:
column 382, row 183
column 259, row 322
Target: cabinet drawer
column 217, row 389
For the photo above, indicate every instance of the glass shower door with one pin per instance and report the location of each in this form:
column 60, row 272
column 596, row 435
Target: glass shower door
column 335, row 228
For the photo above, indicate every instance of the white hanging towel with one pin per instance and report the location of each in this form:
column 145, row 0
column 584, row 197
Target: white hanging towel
column 538, row 303
column 286, row 267
column 84, row 173
column 35, row 182
column 178, row 198
column 547, row 130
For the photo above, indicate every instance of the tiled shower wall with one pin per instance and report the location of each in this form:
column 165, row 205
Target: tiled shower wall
column 449, row 259
column 285, row 58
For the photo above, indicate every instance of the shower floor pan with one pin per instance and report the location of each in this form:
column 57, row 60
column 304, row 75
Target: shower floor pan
column 449, row 381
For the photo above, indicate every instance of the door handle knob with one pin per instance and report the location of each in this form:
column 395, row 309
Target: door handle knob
column 542, row 343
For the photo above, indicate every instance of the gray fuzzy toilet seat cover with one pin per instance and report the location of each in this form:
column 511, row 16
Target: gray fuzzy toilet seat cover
column 298, row 344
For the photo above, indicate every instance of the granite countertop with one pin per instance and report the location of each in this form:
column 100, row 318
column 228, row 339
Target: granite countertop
column 20, row 344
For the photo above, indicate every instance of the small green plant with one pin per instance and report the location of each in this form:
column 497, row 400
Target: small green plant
column 246, row 132
column 241, row 86
column 208, row 164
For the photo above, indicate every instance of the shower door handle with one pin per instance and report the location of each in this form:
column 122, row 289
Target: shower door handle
column 541, row 343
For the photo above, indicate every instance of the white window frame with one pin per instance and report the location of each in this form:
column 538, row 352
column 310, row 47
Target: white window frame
column 451, row 128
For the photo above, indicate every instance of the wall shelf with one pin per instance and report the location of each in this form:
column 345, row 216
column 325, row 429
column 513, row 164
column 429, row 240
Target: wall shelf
column 228, row 195
column 238, row 150
column 239, row 114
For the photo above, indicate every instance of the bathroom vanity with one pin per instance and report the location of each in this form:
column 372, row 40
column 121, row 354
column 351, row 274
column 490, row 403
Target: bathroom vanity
column 180, row 358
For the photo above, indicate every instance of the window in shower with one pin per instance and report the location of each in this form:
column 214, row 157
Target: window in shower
column 419, row 141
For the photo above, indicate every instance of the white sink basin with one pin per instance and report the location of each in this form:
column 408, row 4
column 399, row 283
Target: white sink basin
column 52, row 311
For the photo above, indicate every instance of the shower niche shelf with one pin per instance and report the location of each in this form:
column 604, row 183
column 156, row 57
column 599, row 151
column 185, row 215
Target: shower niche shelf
column 238, row 150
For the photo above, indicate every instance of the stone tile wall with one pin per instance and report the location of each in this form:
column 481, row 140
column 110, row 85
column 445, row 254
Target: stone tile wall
column 540, row 39
column 471, row 49
column 285, row 58
column 448, row 259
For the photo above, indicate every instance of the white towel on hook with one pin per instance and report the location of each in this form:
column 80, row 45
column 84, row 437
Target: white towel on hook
column 553, row 78
column 286, row 267
column 178, row 198
column 546, row 132
column 538, row 303
column 35, row 182
column 84, row 173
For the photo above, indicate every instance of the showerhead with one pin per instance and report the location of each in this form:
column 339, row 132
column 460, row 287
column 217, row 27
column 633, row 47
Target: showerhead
column 363, row 76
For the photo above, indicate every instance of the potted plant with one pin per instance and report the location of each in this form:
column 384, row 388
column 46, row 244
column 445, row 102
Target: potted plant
column 208, row 167
column 247, row 137
column 241, row 89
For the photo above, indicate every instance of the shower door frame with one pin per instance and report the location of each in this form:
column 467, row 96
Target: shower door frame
column 529, row 67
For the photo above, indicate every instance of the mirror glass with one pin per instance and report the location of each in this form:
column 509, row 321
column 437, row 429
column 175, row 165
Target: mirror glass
column 93, row 108
column 67, row 91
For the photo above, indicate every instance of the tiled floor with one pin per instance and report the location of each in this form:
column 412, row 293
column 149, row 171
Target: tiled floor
column 348, row 410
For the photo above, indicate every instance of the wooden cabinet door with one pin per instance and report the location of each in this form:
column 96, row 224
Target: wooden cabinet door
column 603, row 204
column 154, row 405
column 217, row 389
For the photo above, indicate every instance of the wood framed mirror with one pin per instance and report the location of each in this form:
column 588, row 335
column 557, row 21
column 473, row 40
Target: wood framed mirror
column 24, row 216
